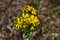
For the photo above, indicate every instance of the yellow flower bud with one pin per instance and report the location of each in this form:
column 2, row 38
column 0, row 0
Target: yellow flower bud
column 32, row 28
column 24, row 26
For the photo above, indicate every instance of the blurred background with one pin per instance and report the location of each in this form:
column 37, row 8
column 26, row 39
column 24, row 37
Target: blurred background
column 48, row 14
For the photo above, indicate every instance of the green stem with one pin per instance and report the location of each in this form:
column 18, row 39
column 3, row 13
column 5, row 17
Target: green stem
column 27, row 32
column 29, row 36
column 37, row 2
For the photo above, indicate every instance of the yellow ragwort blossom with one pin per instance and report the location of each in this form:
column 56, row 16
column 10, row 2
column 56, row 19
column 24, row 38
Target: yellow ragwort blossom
column 17, row 23
column 25, row 15
column 34, row 11
column 30, row 9
column 34, row 19
column 27, row 18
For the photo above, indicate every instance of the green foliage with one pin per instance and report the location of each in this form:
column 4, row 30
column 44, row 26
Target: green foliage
column 37, row 2
column 57, row 37
column 48, row 28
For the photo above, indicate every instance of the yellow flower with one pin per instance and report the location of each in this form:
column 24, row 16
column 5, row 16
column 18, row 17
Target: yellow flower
column 33, row 24
column 32, row 28
column 18, row 26
column 32, row 16
column 25, row 15
column 23, row 9
column 36, row 20
column 34, row 11
column 33, row 19
column 17, row 23
column 26, row 18
column 29, row 7
column 18, row 19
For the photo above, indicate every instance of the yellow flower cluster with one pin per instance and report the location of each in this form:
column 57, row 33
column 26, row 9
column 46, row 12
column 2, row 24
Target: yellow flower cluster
column 29, row 9
column 26, row 19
